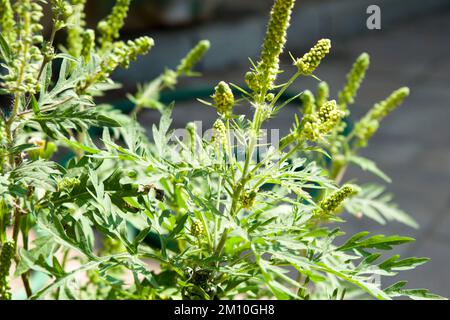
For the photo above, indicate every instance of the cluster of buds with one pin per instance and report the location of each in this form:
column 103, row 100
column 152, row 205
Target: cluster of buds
column 219, row 134
column 354, row 79
column 311, row 60
column 248, row 199
column 323, row 93
column 111, row 246
column 191, row 129
column 3, row 145
column 61, row 13
column 67, row 184
column 7, row 22
column 122, row 55
column 370, row 123
column 76, row 22
column 109, row 27
column 125, row 54
column 308, row 102
column 22, row 75
column 169, row 78
column 264, row 76
column 192, row 58
column 223, row 99
column 322, row 122
column 88, row 44
column 197, row 229
column 3, row 135
column 6, row 256
column 333, row 202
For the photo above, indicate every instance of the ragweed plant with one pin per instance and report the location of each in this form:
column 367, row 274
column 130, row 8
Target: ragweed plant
column 192, row 217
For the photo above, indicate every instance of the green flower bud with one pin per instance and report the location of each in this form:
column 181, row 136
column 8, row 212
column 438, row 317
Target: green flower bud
column 329, row 116
column 270, row 97
column 67, row 184
column 48, row 52
column 310, row 128
column 88, row 44
column 7, row 22
column 219, row 136
column 252, row 81
column 6, row 256
column 248, row 199
column 111, row 246
column 354, row 79
column 139, row 46
column 61, row 13
column 308, row 102
column 109, row 27
column 121, row 55
column 197, row 229
column 76, row 30
column 169, row 78
column 269, row 65
column 223, row 99
column 192, row 58
column 311, row 60
column 323, row 93
column 22, row 76
column 191, row 128
column 382, row 109
column 370, row 123
column 333, row 202
column 314, row 126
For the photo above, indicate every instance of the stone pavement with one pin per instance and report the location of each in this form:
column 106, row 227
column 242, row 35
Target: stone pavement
column 413, row 144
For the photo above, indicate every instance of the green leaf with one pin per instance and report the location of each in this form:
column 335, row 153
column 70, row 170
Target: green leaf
column 71, row 116
column 369, row 165
column 371, row 202
column 39, row 174
column 406, row 264
column 375, row 242
column 181, row 221
column 35, row 106
column 76, row 145
column 23, row 147
column 396, row 290
column 43, row 246
column 5, row 51
column 140, row 237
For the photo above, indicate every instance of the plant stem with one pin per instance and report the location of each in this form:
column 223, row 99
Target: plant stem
column 285, row 87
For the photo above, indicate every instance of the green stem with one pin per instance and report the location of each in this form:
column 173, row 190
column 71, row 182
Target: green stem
column 285, row 87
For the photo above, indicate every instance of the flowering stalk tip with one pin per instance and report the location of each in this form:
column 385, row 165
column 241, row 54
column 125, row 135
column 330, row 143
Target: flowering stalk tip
column 268, row 67
column 223, row 99
column 354, row 80
column 333, row 202
column 193, row 57
column 311, row 60
column 370, row 123
column 109, row 27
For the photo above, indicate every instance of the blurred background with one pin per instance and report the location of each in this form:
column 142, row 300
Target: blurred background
column 412, row 48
